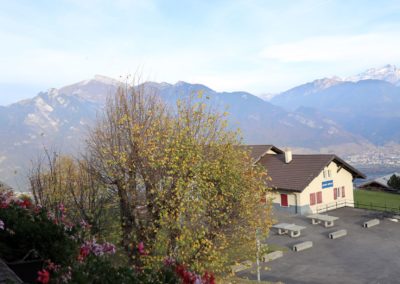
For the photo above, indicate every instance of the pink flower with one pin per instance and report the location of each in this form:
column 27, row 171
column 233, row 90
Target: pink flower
column 37, row 209
column 26, row 203
column 67, row 276
column 1, row 225
column 50, row 216
column 51, row 266
column 44, row 276
column 169, row 261
column 84, row 252
column 189, row 277
column 85, row 225
column 61, row 207
column 95, row 248
column 109, row 248
column 140, row 248
column 208, row 278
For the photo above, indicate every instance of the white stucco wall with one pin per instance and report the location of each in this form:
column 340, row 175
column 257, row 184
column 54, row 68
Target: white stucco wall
column 341, row 178
column 300, row 202
column 292, row 198
column 276, row 197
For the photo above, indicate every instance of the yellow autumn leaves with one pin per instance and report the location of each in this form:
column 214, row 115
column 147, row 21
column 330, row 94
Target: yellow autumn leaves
column 182, row 184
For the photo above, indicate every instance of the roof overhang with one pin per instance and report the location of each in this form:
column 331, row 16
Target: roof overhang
column 372, row 182
column 356, row 173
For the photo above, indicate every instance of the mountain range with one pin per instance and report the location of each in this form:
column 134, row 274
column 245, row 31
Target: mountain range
column 366, row 104
column 331, row 114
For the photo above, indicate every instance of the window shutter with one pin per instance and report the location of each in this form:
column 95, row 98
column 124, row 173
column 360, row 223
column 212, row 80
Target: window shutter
column 335, row 193
column 312, row 198
column 343, row 192
column 319, row 197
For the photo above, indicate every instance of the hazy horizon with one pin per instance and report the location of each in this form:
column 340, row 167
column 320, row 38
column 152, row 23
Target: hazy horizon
column 257, row 46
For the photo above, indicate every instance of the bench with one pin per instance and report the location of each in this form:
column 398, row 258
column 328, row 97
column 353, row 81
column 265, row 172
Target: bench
column 371, row 223
column 302, row 246
column 290, row 229
column 241, row 266
column 397, row 217
column 337, row 234
column 272, row 256
column 329, row 221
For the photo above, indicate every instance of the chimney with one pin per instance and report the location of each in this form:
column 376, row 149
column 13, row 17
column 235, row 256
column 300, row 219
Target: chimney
column 288, row 155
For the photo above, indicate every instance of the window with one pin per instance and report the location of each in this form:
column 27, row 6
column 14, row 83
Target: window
column 339, row 191
column 326, row 174
column 319, row 197
column 312, row 198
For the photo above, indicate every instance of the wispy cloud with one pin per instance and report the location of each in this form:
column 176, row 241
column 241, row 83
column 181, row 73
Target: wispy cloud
column 258, row 46
column 371, row 47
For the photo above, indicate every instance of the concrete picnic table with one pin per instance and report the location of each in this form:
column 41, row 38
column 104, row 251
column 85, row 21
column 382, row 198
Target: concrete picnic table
column 292, row 229
column 318, row 218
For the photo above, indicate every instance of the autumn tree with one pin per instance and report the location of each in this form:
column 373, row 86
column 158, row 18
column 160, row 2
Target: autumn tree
column 57, row 180
column 184, row 187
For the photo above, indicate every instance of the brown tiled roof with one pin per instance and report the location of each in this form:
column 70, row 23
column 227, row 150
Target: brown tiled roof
column 297, row 175
column 257, row 151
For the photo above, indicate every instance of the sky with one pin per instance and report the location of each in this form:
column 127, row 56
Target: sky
column 256, row 46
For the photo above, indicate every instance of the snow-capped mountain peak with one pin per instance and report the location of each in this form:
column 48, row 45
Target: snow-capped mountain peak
column 106, row 80
column 389, row 73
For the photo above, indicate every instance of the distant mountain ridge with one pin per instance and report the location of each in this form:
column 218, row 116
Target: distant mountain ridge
column 60, row 118
column 366, row 104
column 330, row 114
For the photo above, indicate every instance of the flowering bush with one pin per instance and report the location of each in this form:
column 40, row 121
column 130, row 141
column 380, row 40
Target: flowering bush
column 96, row 249
column 100, row 270
column 67, row 258
column 44, row 276
column 25, row 228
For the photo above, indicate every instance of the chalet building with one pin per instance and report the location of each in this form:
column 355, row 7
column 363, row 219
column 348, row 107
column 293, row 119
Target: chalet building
column 304, row 184
column 379, row 184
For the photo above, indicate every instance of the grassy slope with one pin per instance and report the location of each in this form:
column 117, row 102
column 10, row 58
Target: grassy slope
column 377, row 198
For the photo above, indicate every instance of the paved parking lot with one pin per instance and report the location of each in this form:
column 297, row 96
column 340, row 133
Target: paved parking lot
column 363, row 256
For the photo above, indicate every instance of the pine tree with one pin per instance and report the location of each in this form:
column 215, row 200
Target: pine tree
column 394, row 182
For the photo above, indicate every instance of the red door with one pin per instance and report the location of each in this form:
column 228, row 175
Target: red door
column 284, row 200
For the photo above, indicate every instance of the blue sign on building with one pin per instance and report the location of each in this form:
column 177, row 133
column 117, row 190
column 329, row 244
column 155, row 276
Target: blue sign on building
column 327, row 184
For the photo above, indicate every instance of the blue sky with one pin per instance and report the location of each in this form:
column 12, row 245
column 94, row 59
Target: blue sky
column 256, row 46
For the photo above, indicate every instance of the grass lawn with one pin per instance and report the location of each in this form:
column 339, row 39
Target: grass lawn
column 379, row 200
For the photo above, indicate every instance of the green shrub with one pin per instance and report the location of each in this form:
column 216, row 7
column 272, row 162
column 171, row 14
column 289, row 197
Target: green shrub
column 28, row 230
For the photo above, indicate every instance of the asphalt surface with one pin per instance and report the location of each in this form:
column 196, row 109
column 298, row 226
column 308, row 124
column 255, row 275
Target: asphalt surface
column 363, row 256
